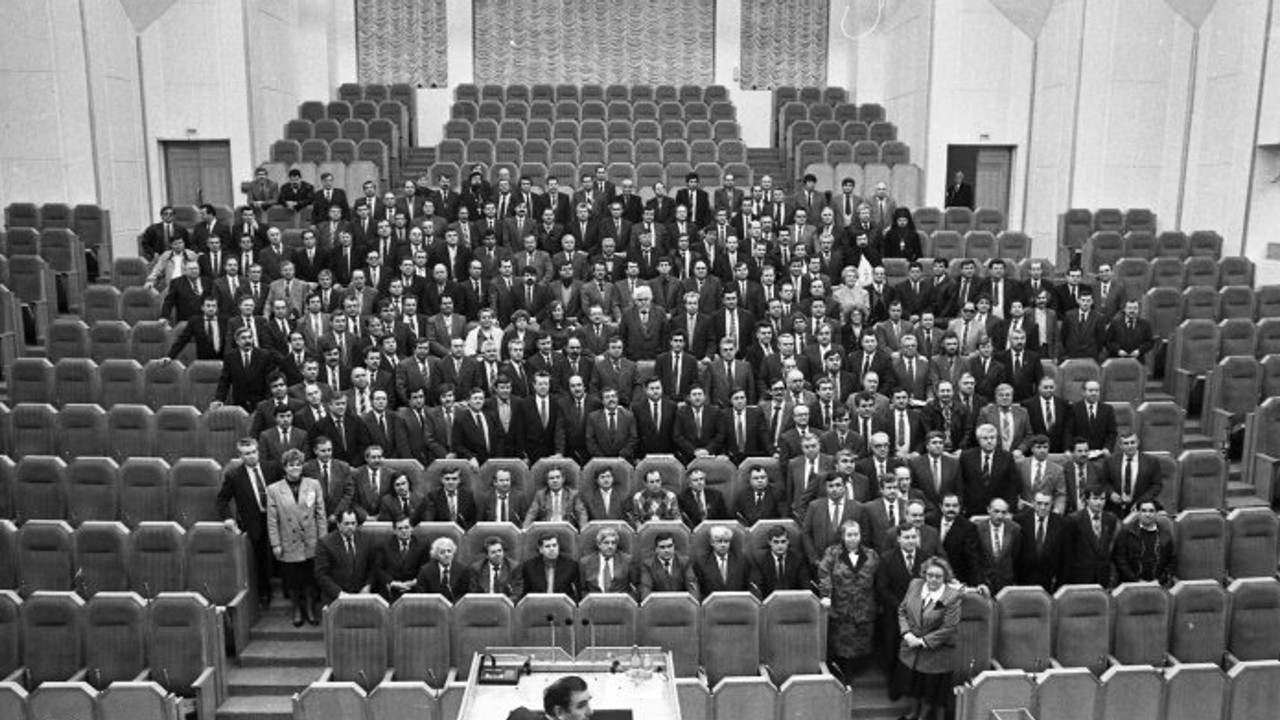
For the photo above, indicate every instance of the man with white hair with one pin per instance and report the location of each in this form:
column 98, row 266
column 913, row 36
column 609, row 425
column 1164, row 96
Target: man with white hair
column 641, row 326
column 987, row 472
column 722, row 569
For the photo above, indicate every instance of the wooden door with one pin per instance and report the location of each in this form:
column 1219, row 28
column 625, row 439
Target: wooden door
column 198, row 172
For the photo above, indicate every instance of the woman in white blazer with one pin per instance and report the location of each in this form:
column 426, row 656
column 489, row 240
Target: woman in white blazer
column 295, row 521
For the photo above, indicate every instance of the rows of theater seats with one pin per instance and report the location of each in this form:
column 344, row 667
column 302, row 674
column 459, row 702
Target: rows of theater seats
column 1196, row 691
column 117, row 656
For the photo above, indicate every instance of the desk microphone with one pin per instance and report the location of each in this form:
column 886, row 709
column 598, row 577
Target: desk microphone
column 573, row 635
column 551, row 622
column 591, row 629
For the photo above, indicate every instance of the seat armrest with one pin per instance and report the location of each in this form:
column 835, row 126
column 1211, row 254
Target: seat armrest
column 17, row 677
column 1053, row 663
column 326, row 676
column 207, row 694
column 1264, row 475
column 82, row 675
column 242, row 612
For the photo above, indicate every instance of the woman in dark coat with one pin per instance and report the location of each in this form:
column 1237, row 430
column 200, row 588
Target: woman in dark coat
column 928, row 618
column 846, row 583
column 902, row 240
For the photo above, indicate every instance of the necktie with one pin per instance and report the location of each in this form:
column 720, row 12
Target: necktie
column 676, row 363
column 702, row 503
column 944, row 529
column 937, row 474
column 728, row 372
column 1007, row 421
column 542, row 410
column 493, row 578
column 555, row 506
column 697, row 421
column 259, row 488
column 724, row 570
column 1128, row 477
column 741, row 429
column 1039, row 478
column 1097, row 524
column 324, row 476
column 484, row 427
column 759, row 497
column 351, row 550
column 893, row 514
column 835, row 514
column 613, row 421
column 453, row 506
column 902, row 429
column 606, row 574
column 246, row 356
column 1048, row 414
column 502, row 508
column 404, row 506
column 1093, row 415
column 986, row 464
column 996, row 544
column 444, row 578
column 1040, row 522
column 212, row 329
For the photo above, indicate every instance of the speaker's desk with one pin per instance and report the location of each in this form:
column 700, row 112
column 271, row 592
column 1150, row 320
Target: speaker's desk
column 617, row 689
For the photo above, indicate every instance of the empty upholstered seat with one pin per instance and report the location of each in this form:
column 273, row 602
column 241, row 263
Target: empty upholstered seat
column 101, row 302
column 1232, row 387
column 1082, row 626
column 131, row 430
column 534, row 616
column 177, row 428
column 1124, row 380
column 1141, row 628
column 220, row 429
column 974, row 635
column 673, row 621
column 45, row 556
column 150, row 340
column 1236, row 270
column 82, row 431
column 1199, row 629
column 34, row 429
column 420, row 639
column 1255, row 614
column 39, row 488
column 10, row 632
column 101, row 557
column 183, row 648
column 217, row 566
column 93, row 489
column 1251, row 551
column 1202, row 480
column 480, row 621
column 1201, row 272
column 792, row 640
column 120, row 381
column 1060, row 692
column 52, row 637
column 1205, row 244
column 110, row 339
column 1160, row 426
column 67, row 338
column 157, row 558
column 31, row 381
column 164, row 383
column 946, row 244
column 1023, row 630
column 76, row 380
column 608, row 619
column 357, row 640
column 1238, row 335
column 193, row 487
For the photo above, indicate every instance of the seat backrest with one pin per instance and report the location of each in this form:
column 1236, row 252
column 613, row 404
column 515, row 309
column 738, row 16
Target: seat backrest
column 77, row 380
column 1194, row 691
column 1202, row 479
column 1124, row 380
column 177, row 429
column 1253, row 689
column 39, row 489
column 1201, row 539
column 52, row 636
column 1252, row 549
column 10, row 632
column 193, row 490
column 534, row 617
column 792, row 641
column 131, row 429
column 220, row 429
column 1199, row 629
column 480, row 621
column 610, row 619
column 157, row 558
column 67, row 338
column 101, row 557
column 673, row 621
column 357, row 639
column 144, row 490
column 115, row 637
column 1141, row 629
column 82, row 431
column 974, row 635
column 1160, row 424
column 121, row 382
column 182, row 640
column 420, row 642
column 471, row 549
column 1255, row 614
column 93, row 489
column 1023, row 630
column 150, row 340
column 30, row 380
column 217, row 562
column 1082, row 626
column 164, row 384
column 1237, row 302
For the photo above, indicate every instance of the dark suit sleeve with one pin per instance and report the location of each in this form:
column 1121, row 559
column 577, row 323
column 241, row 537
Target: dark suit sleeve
column 329, row 589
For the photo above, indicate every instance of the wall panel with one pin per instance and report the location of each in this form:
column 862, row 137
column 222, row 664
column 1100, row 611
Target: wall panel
column 784, row 42
column 402, row 41
column 587, row 41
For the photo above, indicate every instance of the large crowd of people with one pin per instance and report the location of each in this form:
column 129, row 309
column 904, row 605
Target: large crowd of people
column 501, row 320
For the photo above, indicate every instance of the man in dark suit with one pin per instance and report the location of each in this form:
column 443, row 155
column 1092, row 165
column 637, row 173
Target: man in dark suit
column 959, row 193
column 1044, row 535
column 824, row 516
column 959, row 540
column 477, row 434
column 611, row 430
column 987, row 472
column 452, row 502
column 1078, row 475
column 328, row 196
column 698, row 502
column 244, row 374
column 502, row 503
column 156, row 238
column 781, row 568
column 397, row 560
column 1093, row 420
column 898, row 566
column 722, row 569
column 935, row 473
column 697, row 428
column 655, row 420
column 1000, row 541
column 1131, row 477
column 550, row 572
column 344, row 559
column 209, row 226
column 402, row 501
column 1130, row 336
column 743, row 431
column 185, row 296
column 247, row 485
column 348, row 432
column 1049, row 415
column 1084, row 331
column 695, row 199
column 667, row 571
column 206, row 330
column 576, row 407
column 443, row 574
column 603, row 499
column 758, row 501
column 538, row 420
column 1022, row 367
column 1090, row 541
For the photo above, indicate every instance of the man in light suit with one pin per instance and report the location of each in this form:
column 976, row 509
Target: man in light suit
column 1010, row 421
column 807, row 473
column 823, row 517
column 344, row 559
column 1078, row 475
column 606, row 569
column 935, row 473
column 884, row 513
column 1037, row 474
